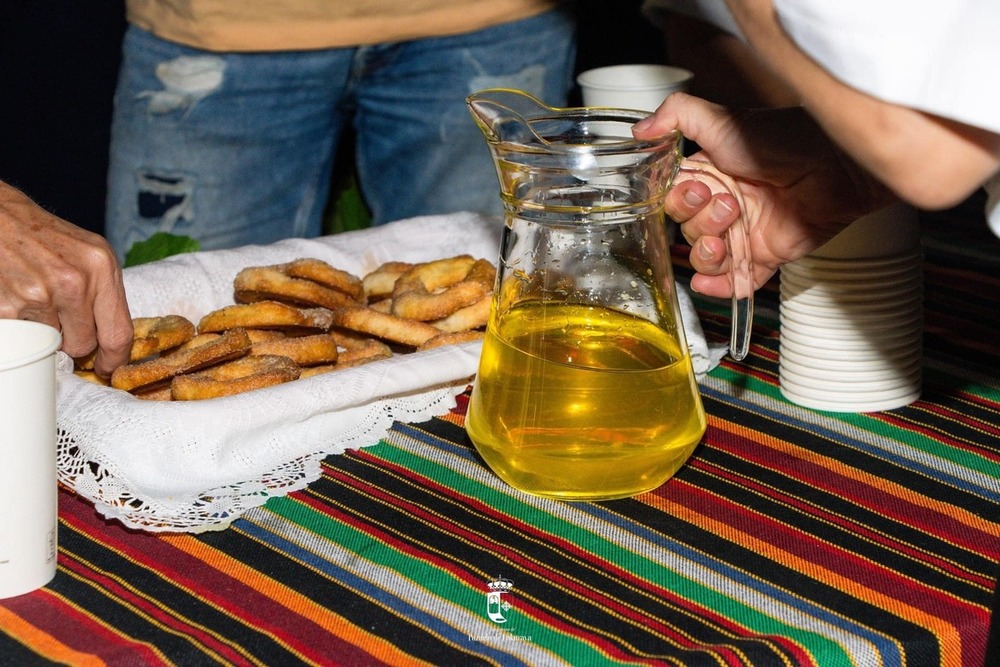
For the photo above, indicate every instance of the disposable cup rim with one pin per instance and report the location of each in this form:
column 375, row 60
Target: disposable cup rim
column 890, row 355
column 873, row 295
column 827, row 326
column 888, row 305
column 854, row 395
column 586, row 78
column 848, row 376
column 849, row 366
column 853, row 284
column 827, row 405
column 42, row 350
column 852, row 272
column 916, row 257
column 833, row 380
column 856, row 310
column 830, row 310
column 878, row 344
column 889, row 331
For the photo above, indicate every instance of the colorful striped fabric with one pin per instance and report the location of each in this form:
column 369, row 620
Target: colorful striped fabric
column 793, row 537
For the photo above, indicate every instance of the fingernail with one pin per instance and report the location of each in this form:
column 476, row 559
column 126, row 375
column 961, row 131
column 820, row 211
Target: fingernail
column 643, row 124
column 693, row 199
column 721, row 210
column 704, row 252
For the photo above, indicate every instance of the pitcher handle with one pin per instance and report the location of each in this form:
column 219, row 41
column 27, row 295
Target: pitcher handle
column 741, row 259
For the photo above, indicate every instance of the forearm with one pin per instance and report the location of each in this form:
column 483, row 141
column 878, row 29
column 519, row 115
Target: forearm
column 929, row 161
column 725, row 69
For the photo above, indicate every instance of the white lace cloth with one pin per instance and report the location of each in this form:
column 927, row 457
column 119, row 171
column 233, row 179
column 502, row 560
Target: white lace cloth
column 195, row 466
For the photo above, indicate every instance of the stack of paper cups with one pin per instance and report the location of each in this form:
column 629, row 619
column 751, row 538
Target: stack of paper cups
column 851, row 318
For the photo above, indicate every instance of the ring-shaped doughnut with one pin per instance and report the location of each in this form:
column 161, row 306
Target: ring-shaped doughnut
column 433, row 290
column 270, row 283
column 157, row 334
column 470, row 317
column 378, row 284
column 384, row 325
column 382, row 305
column 151, row 335
column 234, row 377
column 199, row 339
column 261, row 335
column 348, row 339
column 265, row 315
column 371, row 350
column 160, row 393
column 131, row 377
column 304, row 350
column 321, row 272
column 450, row 338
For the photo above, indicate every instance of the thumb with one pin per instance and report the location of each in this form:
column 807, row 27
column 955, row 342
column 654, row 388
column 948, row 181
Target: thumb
column 693, row 116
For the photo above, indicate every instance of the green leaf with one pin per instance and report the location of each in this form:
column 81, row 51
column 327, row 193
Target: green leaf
column 158, row 246
column 348, row 210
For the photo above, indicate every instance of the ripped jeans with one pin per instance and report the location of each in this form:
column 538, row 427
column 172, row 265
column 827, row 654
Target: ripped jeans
column 237, row 149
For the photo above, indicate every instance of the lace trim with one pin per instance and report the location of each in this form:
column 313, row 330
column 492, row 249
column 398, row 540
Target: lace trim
column 216, row 508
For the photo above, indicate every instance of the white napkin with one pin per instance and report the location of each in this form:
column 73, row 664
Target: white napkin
column 704, row 355
column 192, row 466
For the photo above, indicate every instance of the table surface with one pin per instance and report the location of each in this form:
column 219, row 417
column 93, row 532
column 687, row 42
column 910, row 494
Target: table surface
column 792, row 537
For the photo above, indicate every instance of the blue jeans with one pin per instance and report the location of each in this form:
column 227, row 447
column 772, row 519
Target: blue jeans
column 237, row 148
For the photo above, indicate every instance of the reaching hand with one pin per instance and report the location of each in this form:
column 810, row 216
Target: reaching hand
column 799, row 190
column 56, row 273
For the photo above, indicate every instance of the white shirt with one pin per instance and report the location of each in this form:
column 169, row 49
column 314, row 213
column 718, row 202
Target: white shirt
column 940, row 58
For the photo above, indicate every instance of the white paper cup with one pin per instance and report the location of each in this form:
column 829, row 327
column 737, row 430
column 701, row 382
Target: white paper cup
column 640, row 87
column 887, row 343
column 892, row 263
column 864, row 357
column 815, row 268
column 849, row 371
column 853, row 400
column 823, row 292
column 875, row 322
column 835, row 383
column 871, row 330
column 859, row 311
column 874, row 369
column 28, row 480
column 855, row 283
column 824, row 306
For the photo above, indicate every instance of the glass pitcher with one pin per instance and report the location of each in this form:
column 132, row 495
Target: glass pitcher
column 585, row 388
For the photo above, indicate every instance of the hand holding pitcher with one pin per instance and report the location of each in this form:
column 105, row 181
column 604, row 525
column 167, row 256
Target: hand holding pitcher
column 798, row 189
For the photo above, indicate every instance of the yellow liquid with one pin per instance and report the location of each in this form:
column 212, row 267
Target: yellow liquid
column 582, row 403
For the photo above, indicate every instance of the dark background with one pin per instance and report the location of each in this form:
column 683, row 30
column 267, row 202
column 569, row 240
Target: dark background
column 58, row 66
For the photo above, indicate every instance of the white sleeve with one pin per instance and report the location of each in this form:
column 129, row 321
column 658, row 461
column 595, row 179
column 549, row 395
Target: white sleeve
column 939, row 58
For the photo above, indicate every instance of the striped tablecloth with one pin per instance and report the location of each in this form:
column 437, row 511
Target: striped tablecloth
column 793, row 537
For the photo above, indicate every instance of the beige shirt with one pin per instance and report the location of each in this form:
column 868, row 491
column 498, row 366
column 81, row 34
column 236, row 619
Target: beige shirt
column 282, row 25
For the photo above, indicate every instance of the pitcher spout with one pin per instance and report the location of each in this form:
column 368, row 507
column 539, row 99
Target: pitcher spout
column 506, row 115
column 540, row 151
